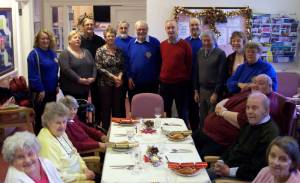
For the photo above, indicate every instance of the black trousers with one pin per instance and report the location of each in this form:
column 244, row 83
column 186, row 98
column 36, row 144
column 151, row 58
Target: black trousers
column 110, row 104
column 207, row 146
column 96, row 101
column 193, row 109
column 124, row 89
column 39, row 109
column 143, row 88
column 179, row 93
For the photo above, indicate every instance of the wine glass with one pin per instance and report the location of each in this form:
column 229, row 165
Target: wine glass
column 157, row 114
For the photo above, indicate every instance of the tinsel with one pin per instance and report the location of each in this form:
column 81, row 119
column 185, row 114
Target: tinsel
column 213, row 16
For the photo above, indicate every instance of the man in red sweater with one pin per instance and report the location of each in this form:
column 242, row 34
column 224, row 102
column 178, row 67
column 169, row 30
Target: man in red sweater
column 175, row 70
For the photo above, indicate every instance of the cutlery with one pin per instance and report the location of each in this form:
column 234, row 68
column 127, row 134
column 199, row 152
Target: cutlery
column 120, row 135
column 171, row 124
column 121, row 166
column 167, row 158
column 181, row 151
column 124, row 167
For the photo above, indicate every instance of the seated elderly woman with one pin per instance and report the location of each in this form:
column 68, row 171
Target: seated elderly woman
column 21, row 152
column 57, row 147
column 283, row 156
column 83, row 137
column 253, row 66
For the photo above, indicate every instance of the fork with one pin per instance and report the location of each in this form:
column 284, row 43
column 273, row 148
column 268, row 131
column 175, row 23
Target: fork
column 128, row 167
column 181, row 151
column 171, row 124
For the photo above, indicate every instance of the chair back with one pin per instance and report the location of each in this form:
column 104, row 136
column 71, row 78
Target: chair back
column 144, row 104
column 288, row 83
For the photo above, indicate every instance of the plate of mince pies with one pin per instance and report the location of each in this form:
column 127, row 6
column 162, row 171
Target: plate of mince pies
column 179, row 135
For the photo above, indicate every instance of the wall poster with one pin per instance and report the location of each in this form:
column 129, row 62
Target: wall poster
column 6, row 41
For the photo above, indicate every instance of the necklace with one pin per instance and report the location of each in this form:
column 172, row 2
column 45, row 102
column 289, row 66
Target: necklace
column 79, row 55
column 69, row 146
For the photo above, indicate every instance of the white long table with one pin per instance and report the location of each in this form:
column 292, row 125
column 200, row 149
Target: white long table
column 149, row 173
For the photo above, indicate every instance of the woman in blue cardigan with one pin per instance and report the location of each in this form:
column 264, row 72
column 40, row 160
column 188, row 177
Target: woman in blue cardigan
column 253, row 66
column 42, row 73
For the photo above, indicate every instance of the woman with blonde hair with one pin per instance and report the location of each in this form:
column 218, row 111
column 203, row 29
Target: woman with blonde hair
column 77, row 68
column 42, row 73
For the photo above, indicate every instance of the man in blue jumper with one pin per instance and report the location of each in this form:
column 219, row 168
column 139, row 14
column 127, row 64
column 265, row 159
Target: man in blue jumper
column 122, row 42
column 143, row 62
column 195, row 43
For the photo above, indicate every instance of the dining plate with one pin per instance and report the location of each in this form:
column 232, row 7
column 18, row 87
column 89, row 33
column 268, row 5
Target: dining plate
column 177, row 171
column 177, row 140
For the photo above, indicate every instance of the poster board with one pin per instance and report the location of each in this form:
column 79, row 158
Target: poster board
column 6, row 41
column 278, row 35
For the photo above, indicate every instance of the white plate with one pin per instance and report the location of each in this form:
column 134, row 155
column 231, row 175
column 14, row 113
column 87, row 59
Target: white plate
column 187, row 175
column 121, row 150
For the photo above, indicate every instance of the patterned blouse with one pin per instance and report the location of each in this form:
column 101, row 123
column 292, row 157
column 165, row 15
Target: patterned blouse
column 108, row 64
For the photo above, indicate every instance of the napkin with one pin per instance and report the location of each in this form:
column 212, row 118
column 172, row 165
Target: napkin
column 196, row 165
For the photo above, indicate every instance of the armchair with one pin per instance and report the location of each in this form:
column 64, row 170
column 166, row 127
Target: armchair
column 93, row 163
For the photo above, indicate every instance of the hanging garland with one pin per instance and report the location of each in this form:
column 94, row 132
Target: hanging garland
column 213, row 16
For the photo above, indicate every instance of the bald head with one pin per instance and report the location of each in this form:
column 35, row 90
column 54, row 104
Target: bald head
column 195, row 27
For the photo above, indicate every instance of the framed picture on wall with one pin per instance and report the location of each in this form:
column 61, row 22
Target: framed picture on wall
column 6, row 41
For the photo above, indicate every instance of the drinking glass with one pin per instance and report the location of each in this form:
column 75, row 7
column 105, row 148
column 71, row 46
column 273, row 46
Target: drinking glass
column 157, row 114
column 130, row 134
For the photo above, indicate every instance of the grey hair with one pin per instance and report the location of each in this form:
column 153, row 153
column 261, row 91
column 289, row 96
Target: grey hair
column 209, row 34
column 140, row 22
column 52, row 111
column 123, row 22
column 69, row 101
column 19, row 140
column 264, row 99
column 267, row 78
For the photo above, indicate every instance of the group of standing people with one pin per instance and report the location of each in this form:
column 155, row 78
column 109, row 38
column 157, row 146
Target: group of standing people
column 194, row 72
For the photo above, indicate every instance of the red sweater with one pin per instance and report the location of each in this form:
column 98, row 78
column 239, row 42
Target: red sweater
column 222, row 132
column 83, row 137
column 176, row 61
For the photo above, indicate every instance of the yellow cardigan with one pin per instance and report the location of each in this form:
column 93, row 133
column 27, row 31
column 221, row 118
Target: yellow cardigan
column 71, row 168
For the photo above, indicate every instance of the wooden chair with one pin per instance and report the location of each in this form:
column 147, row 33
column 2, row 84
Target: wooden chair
column 212, row 160
column 93, row 163
column 21, row 117
column 95, row 152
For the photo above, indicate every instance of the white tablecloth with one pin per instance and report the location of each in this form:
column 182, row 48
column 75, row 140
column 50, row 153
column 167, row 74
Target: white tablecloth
column 148, row 173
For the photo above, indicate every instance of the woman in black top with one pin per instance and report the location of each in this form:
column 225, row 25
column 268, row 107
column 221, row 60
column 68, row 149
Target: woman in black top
column 109, row 64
